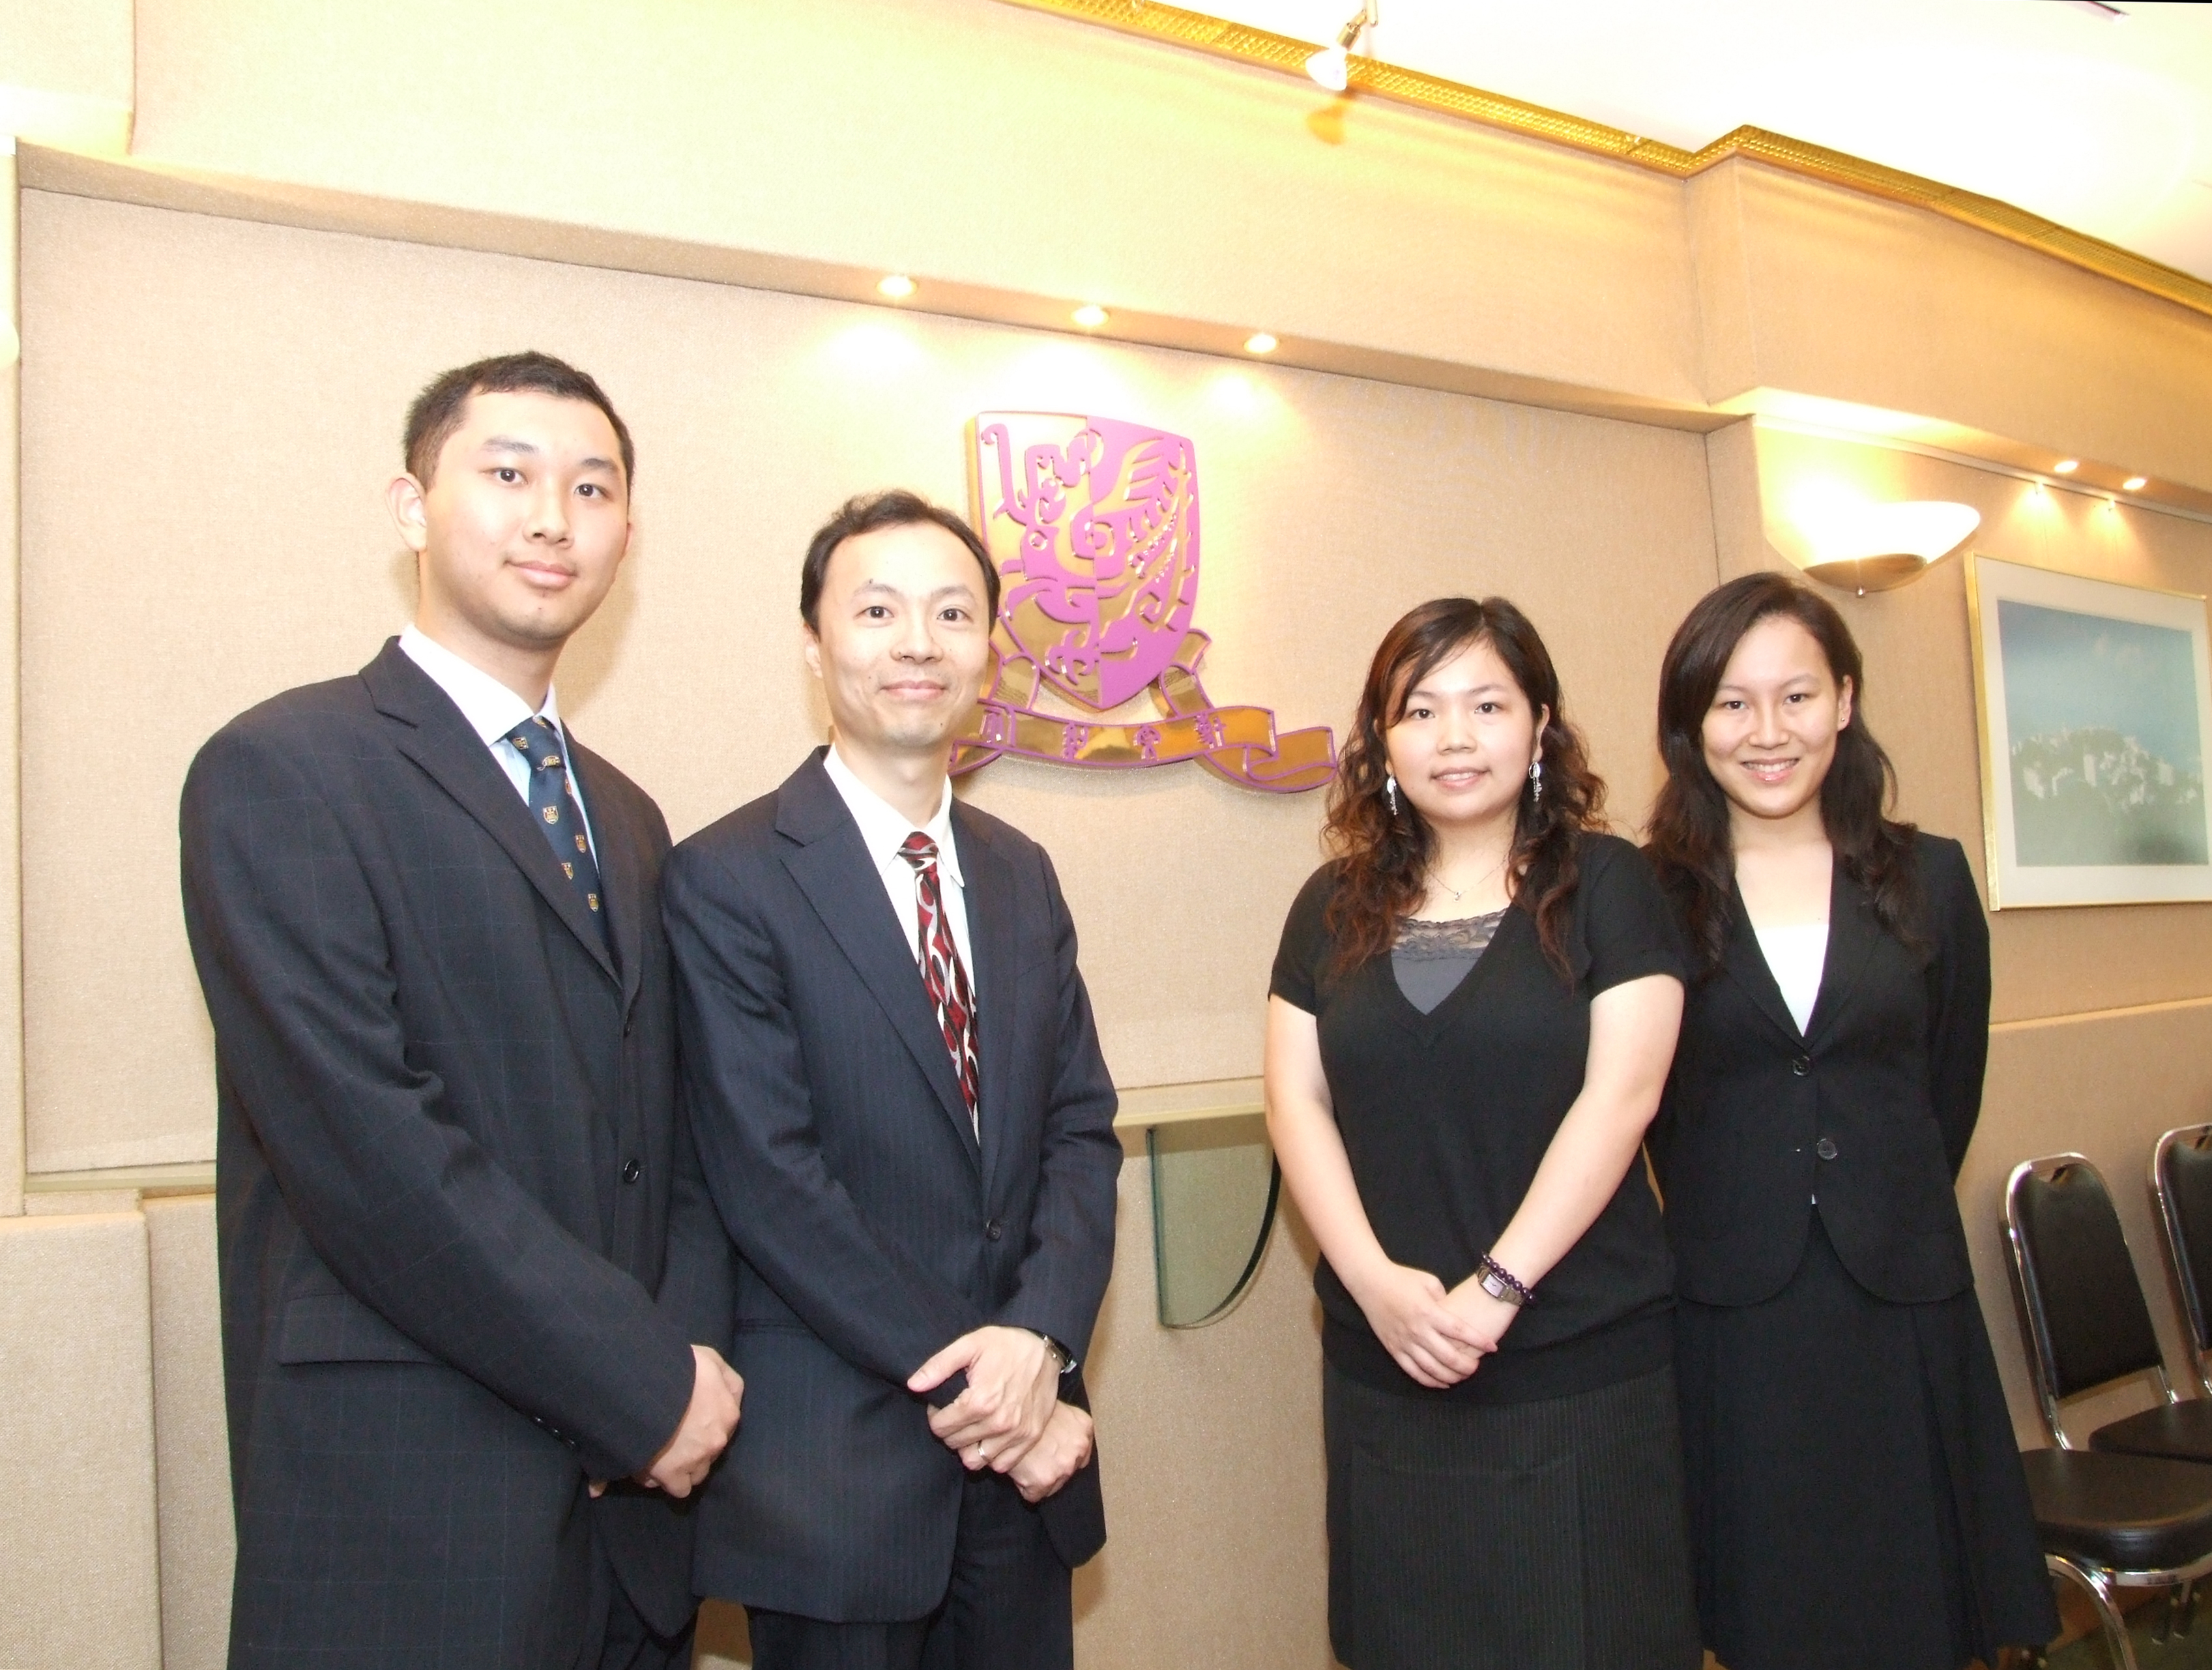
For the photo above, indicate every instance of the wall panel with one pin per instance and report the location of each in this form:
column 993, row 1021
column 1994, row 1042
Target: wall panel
column 215, row 407
column 191, row 1445
column 78, row 1541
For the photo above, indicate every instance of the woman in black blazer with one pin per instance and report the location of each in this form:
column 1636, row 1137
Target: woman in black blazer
column 1857, row 1500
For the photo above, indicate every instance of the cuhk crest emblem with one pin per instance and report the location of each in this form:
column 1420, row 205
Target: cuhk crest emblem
column 1093, row 523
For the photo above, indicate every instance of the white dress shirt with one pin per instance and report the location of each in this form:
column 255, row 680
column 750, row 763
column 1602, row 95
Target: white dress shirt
column 1796, row 955
column 883, row 830
column 493, row 712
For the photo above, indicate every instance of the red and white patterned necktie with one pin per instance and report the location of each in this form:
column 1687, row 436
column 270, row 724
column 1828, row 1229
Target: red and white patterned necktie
column 941, row 971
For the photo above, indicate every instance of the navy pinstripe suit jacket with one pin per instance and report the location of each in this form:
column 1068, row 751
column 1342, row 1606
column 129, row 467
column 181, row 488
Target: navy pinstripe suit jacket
column 438, row 1293
column 871, row 1228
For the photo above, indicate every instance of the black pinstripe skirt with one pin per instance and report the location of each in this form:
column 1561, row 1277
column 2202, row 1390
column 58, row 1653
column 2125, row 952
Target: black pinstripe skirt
column 1524, row 1536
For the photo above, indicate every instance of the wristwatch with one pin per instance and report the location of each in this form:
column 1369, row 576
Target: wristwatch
column 1495, row 1279
column 1062, row 1358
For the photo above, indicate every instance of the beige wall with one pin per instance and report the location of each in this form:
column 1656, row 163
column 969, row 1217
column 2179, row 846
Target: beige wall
column 11, row 993
column 1920, row 703
column 246, row 549
column 77, row 1540
column 65, row 72
column 1809, row 287
column 906, row 135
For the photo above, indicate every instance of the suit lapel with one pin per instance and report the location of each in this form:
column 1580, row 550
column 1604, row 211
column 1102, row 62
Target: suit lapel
column 988, row 882
column 832, row 868
column 622, row 880
column 1853, row 933
column 439, row 740
column 1747, row 965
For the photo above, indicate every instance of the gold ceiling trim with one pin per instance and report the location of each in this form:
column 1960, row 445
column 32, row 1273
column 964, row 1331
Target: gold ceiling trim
column 1267, row 50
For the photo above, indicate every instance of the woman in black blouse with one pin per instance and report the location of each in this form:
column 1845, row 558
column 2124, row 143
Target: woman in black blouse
column 1471, row 1015
column 1857, row 1501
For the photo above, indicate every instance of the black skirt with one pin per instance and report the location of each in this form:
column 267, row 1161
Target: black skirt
column 1523, row 1536
column 1857, row 1501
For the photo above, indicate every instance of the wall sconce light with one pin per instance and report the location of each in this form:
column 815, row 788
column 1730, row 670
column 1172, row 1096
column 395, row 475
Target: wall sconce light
column 1878, row 548
column 11, row 345
column 1331, row 67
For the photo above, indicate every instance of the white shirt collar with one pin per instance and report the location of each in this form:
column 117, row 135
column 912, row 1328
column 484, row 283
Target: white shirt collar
column 883, row 827
column 492, row 710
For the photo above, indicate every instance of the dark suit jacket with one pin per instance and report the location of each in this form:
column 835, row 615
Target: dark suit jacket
column 872, row 1230
column 1888, row 1076
column 433, row 1081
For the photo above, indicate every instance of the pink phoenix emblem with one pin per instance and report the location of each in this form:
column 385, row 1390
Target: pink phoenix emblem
column 1094, row 525
column 1101, row 585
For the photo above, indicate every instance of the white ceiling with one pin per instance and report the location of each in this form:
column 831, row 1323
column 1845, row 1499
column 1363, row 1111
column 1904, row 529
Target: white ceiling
column 2101, row 122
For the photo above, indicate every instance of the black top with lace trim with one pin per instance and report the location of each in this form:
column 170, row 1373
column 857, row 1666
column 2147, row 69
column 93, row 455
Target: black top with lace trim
column 1430, row 959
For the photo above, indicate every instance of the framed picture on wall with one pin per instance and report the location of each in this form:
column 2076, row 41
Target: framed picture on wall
column 2095, row 702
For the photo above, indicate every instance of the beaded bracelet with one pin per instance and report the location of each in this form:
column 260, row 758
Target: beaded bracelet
column 1500, row 1283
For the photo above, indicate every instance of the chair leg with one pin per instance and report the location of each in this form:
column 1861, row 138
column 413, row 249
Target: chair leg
column 2101, row 1596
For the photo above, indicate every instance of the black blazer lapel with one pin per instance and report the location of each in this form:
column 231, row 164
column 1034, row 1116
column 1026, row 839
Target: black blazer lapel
column 622, row 880
column 1854, row 931
column 833, row 869
column 438, row 739
column 1747, row 965
column 988, row 882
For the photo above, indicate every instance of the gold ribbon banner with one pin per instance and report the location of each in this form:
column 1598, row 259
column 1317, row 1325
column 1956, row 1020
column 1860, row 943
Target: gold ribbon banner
column 1238, row 744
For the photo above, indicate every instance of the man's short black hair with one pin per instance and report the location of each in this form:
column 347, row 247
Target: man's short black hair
column 437, row 410
column 872, row 512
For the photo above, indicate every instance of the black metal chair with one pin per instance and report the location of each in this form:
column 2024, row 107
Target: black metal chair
column 2114, row 1516
column 2092, row 1327
column 2181, row 1196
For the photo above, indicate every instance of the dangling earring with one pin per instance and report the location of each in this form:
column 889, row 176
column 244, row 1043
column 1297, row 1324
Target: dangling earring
column 1390, row 792
column 1536, row 777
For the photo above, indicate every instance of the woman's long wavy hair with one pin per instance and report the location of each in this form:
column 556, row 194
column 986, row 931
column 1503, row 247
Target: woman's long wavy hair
column 1690, row 846
column 1383, row 856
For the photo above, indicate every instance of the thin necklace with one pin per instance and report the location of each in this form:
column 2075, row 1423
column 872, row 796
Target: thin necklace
column 1457, row 893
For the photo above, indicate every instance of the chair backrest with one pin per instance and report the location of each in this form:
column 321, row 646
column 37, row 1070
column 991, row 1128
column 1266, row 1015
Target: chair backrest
column 2080, row 1305
column 2181, row 1190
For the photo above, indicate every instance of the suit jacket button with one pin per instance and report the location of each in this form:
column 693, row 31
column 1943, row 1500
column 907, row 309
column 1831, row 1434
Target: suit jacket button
column 994, row 1230
column 1826, row 1148
column 1802, row 1066
column 632, row 1171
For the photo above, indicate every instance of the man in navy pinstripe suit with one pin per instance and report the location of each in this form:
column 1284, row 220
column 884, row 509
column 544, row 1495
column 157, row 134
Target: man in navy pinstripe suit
column 904, row 1118
column 450, row 1161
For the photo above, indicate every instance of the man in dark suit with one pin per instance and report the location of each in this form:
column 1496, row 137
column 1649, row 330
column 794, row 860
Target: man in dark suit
column 450, row 1161
column 903, row 1114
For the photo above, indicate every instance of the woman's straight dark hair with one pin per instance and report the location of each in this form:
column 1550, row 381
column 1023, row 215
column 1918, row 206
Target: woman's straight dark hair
column 1384, row 856
column 1691, row 848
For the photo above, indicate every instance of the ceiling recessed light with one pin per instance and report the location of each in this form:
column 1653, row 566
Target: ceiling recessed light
column 2135, row 484
column 1090, row 316
column 1260, row 343
column 898, row 287
column 2066, row 466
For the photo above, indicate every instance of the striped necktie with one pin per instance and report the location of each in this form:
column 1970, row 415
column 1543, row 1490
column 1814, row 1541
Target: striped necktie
column 559, row 816
column 941, row 971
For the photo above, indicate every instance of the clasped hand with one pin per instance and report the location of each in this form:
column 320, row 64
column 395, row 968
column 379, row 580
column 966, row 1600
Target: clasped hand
column 717, row 1394
column 1010, row 1404
column 1437, row 1337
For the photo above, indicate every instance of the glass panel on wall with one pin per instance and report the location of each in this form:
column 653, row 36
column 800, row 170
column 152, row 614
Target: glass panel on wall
column 1214, row 1184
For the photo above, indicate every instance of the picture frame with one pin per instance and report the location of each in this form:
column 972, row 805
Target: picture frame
column 2095, row 707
